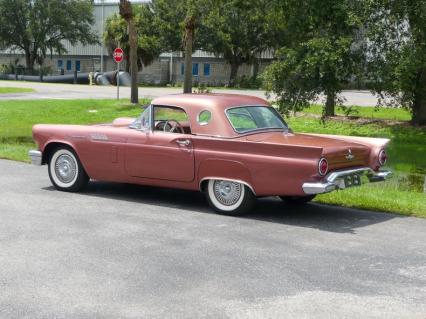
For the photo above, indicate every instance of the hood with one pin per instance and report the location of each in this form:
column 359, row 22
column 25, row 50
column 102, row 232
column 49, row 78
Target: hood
column 119, row 122
column 123, row 121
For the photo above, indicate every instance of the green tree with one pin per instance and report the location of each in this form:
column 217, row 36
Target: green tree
column 397, row 54
column 38, row 27
column 238, row 30
column 149, row 45
column 320, row 52
column 180, row 23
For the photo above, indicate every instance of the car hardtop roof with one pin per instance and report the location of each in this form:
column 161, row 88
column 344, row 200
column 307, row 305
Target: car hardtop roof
column 210, row 100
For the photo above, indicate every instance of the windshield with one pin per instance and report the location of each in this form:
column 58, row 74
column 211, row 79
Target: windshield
column 143, row 122
column 249, row 118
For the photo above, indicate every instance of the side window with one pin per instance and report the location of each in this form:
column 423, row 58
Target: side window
column 241, row 119
column 204, row 117
column 77, row 65
column 69, row 65
column 171, row 119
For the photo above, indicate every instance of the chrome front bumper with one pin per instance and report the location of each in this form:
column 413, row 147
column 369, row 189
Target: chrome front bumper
column 336, row 180
column 36, row 157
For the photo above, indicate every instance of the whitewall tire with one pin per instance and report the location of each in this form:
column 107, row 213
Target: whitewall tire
column 65, row 170
column 229, row 197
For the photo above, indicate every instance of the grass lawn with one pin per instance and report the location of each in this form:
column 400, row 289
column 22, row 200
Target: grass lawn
column 5, row 90
column 403, row 194
column 20, row 116
column 396, row 114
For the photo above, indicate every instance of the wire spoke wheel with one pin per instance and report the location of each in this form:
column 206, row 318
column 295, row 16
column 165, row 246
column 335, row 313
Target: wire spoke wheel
column 227, row 193
column 65, row 168
column 229, row 197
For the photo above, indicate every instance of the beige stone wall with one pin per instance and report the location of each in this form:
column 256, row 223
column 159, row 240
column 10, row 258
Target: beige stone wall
column 219, row 71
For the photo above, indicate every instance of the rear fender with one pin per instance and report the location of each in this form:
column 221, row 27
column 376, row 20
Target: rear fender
column 375, row 145
column 225, row 170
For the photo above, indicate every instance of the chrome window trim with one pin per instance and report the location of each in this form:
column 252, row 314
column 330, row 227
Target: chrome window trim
column 205, row 122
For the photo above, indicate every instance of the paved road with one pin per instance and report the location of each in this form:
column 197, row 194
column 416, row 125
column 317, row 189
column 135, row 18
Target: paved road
column 117, row 251
column 69, row 91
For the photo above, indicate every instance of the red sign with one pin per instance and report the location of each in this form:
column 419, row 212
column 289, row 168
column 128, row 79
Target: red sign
column 118, row 55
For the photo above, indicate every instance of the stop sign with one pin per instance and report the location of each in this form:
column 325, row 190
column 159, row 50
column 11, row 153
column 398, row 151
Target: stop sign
column 118, row 55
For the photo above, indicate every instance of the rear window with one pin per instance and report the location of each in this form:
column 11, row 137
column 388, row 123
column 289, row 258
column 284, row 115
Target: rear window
column 249, row 118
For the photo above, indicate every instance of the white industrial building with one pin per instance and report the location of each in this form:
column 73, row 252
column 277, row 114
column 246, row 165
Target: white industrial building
column 168, row 68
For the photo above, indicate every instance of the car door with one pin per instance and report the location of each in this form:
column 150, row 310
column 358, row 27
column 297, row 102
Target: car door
column 160, row 154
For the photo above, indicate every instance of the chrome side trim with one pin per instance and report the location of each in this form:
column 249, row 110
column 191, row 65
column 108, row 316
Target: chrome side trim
column 335, row 180
column 36, row 157
column 226, row 179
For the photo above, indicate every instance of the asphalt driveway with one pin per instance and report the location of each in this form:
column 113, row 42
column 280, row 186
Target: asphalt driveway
column 120, row 251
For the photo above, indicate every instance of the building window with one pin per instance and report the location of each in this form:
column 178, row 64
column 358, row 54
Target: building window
column 207, row 69
column 182, row 69
column 194, row 68
column 69, row 65
column 60, row 64
column 77, row 65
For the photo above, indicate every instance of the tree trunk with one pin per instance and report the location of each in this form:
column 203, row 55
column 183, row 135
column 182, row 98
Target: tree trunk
column 188, row 41
column 419, row 103
column 255, row 69
column 330, row 104
column 133, row 62
column 126, row 12
column 29, row 61
column 419, row 111
column 234, row 73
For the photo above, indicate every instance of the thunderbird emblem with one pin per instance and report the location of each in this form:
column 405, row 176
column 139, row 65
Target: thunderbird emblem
column 350, row 156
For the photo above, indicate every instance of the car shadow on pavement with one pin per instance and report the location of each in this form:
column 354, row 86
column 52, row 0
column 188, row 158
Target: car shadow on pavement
column 270, row 209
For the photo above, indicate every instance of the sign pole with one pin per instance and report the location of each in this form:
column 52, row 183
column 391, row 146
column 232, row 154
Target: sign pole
column 118, row 81
column 118, row 55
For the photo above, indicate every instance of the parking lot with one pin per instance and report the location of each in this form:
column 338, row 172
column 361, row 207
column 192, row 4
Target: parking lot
column 122, row 251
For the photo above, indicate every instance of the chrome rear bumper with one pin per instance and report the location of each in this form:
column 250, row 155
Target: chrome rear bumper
column 335, row 180
column 36, row 157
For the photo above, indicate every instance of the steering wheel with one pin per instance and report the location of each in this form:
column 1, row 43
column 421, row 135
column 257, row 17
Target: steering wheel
column 175, row 127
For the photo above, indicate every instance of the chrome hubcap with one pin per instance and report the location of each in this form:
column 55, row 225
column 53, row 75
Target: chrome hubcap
column 226, row 192
column 65, row 168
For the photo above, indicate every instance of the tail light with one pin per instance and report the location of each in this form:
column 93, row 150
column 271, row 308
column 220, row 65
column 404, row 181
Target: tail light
column 383, row 157
column 322, row 166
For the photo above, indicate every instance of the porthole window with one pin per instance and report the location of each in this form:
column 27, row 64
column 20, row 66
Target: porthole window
column 204, row 117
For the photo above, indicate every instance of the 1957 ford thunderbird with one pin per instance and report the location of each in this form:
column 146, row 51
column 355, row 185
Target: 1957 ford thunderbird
column 232, row 147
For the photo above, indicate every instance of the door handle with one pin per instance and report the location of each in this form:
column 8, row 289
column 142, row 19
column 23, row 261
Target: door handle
column 183, row 142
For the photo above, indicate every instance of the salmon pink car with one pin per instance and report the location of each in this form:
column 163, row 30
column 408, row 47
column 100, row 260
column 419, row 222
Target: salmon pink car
column 233, row 148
